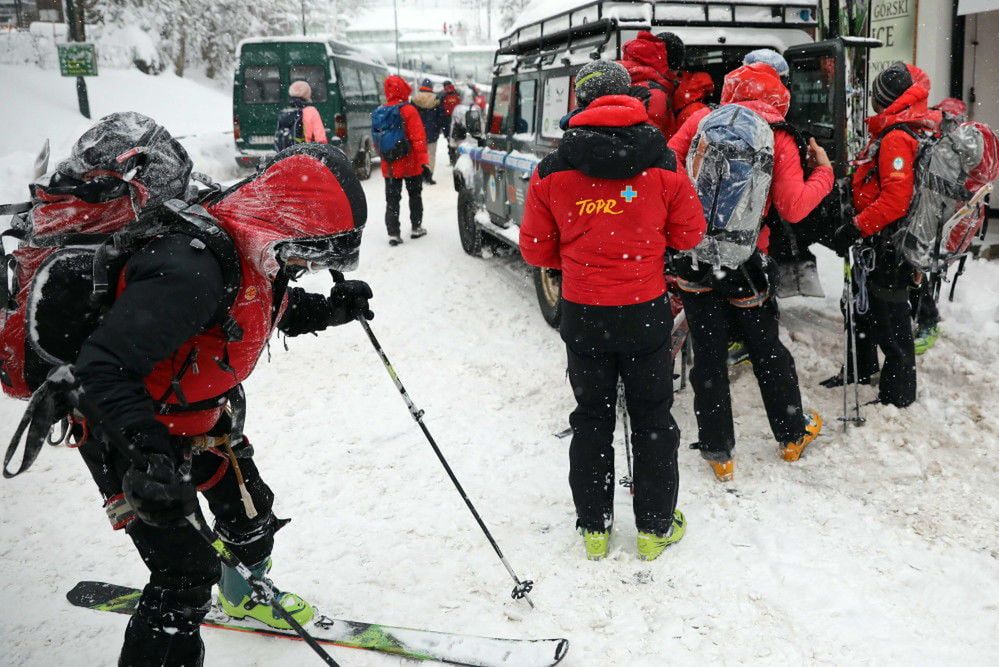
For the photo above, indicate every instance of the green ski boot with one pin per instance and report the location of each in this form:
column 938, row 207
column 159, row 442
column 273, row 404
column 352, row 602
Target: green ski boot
column 651, row 546
column 596, row 543
column 926, row 337
column 233, row 587
column 737, row 353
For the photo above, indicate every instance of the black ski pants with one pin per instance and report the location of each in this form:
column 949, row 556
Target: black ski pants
column 393, row 199
column 632, row 342
column 888, row 325
column 713, row 321
column 924, row 305
column 165, row 631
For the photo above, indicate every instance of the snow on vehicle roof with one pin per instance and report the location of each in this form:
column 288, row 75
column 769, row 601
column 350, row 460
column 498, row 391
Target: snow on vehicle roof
column 539, row 10
column 336, row 47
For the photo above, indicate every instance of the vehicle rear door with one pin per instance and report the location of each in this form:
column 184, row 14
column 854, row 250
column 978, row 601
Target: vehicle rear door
column 499, row 139
column 259, row 93
column 524, row 150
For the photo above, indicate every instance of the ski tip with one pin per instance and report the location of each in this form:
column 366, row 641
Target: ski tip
column 561, row 648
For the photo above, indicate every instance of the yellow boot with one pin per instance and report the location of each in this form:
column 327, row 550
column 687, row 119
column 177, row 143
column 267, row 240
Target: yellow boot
column 792, row 451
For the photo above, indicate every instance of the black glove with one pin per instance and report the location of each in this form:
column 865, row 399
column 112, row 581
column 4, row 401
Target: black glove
column 641, row 93
column 161, row 494
column 348, row 301
column 845, row 236
column 426, row 171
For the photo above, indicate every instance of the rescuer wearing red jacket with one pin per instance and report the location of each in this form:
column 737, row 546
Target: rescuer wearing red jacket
column 741, row 299
column 409, row 169
column 603, row 208
column 883, row 186
column 646, row 61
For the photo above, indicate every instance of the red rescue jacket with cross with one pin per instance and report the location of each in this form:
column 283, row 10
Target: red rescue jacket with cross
column 606, row 204
column 884, row 179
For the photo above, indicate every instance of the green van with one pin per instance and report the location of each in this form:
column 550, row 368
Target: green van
column 346, row 86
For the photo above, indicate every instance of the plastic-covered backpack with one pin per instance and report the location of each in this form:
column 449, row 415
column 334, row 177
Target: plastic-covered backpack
column 731, row 162
column 388, row 132
column 954, row 174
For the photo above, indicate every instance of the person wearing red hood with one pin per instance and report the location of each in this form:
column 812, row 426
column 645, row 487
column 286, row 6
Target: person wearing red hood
column 741, row 300
column 410, row 169
column 603, row 208
column 692, row 90
column 883, row 185
column 645, row 59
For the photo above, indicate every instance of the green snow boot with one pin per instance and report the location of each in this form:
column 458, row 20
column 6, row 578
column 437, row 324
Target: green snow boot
column 737, row 353
column 233, row 587
column 651, row 546
column 596, row 543
column 926, row 337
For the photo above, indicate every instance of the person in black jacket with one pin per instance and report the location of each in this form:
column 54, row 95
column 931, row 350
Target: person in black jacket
column 431, row 111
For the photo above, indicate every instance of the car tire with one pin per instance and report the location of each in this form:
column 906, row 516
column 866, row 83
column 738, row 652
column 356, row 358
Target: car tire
column 362, row 165
column 548, row 286
column 468, row 230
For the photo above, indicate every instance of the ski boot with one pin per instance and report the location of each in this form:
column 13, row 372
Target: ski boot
column 233, row 587
column 651, row 546
column 737, row 353
column 792, row 451
column 418, row 232
column 926, row 337
column 596, row 543
column 721, row 462
column 395, row 239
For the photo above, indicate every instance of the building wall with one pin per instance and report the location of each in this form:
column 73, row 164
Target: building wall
column 981, row 66
column 933, row 36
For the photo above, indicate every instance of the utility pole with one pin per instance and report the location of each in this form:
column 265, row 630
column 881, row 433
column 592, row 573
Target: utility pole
column 303, row 18
column 77, row 33
column 833, row 18
column 489, row 20
column 395, row 16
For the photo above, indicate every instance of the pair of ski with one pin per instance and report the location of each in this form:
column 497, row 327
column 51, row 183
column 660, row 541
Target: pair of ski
column 407, row 643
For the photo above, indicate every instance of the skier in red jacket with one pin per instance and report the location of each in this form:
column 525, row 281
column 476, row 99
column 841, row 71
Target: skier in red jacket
column 741, row 299
column 410, row 169
column 883, row 186
column 603, row 208
column 692, row 90
column 646, row 61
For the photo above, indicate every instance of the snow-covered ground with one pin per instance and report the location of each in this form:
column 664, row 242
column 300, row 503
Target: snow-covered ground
column 880, row 546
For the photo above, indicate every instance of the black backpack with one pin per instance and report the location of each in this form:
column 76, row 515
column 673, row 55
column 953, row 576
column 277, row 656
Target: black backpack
column 290, row 128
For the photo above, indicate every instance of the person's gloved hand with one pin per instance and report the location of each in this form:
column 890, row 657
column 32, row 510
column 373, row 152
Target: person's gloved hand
column 641, row 93
column 845, row 236
column 349, row 300
column 161, row 493
column 427, row 173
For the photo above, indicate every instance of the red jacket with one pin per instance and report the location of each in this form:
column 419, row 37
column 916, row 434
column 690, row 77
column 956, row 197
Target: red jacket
column 647, row 64
column 692, row 90
column 883, row 182
column 606, row 204
column 757, row 87
column 397, row 91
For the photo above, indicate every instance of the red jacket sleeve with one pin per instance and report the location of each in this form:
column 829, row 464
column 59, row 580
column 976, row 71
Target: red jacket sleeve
column 539, row 236
column 795, row 196
column 685, row 224
column 314, row 130
column 896, row 176
column 680, row 142
column 658, row 108
column 415, row 134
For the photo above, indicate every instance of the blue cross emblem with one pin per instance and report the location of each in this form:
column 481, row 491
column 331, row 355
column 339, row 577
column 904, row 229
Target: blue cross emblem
column 628, row 193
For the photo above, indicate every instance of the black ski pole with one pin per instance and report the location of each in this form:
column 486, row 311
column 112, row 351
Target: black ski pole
column 264, row 591
column 522, row 588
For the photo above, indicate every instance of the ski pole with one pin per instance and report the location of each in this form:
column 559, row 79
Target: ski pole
column 622, row 408
column 522, row 588
column 263, row 590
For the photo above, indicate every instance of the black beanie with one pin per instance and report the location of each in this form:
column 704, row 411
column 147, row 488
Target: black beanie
column 599, row 78
column 889, row 85
column 675, row 50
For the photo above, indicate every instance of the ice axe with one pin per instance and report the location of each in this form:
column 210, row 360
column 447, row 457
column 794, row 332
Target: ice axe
column 521, row 588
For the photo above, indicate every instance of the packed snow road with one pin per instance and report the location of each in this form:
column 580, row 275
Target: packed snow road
column 877, row 547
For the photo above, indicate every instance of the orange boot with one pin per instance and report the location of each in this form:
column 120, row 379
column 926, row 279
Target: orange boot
column 724, row 470
column 792, row 451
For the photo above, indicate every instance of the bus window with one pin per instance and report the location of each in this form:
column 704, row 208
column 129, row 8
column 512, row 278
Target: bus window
column 378, row 81
column 526, row 93
column 502, row 101
column 314, row 75
column 351, row 83
column 261, row 85
column 368, row 87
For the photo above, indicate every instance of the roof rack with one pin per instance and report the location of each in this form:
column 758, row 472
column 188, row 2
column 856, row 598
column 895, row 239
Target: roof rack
column 588, row 19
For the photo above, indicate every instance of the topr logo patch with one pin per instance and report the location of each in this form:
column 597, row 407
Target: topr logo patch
column 897, row 164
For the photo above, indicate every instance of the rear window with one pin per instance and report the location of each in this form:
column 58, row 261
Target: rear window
column 314, row 75
column 526, row 93
column 261, row 85
column 502, row 101
column 350, row 83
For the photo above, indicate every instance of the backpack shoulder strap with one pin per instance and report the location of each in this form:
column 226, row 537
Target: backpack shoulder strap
column 797, row 135
column 904, row 127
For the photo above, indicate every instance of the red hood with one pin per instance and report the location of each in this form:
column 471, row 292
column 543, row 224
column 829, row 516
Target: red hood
column 693, row 87
column 757, row 87
column 639, row 73
column 396, row 89
column 611, row 111
column 910, row 108
column 647, row 49
column 919, row 77
column 297, row 197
